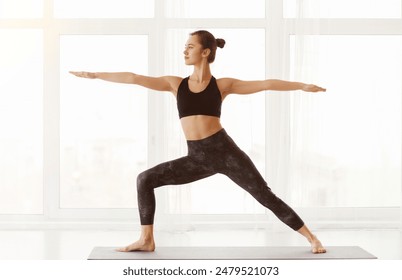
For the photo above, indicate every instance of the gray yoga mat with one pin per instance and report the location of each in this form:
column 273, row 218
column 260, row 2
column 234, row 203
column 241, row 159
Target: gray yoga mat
column 232, row 253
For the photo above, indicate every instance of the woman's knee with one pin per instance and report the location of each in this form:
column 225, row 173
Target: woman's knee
column 144, row 181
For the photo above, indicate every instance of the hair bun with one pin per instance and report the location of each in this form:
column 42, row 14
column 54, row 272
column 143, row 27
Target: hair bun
column 220, row 42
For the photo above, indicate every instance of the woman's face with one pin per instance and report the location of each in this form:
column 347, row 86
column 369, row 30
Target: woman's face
column 193, row 52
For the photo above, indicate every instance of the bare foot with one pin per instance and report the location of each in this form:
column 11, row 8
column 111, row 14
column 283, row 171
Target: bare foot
column 140, row 245
column 316, row 246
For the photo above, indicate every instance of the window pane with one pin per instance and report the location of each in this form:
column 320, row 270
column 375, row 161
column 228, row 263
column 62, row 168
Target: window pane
column 342, row 9
column 347, row 142
column 103, row 131
column 215, row 9
column 104, row 8
column 21, row 8
column 21, row 122
column 247, row 129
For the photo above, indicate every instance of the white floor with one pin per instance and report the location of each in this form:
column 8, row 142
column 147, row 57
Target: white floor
column 77, row 244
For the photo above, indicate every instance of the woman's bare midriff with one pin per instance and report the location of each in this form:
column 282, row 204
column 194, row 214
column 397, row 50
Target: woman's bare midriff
column 199, row 126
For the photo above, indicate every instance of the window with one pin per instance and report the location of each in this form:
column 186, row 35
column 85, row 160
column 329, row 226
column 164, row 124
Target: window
column 342, row 9
column 215, row 9
column 103, row 135
column 347, row 140
column 10, row 9
column 72, row 148
column 21, row 121
column 104, row 8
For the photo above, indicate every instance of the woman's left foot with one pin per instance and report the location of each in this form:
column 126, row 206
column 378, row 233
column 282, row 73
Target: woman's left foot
column 316, row 246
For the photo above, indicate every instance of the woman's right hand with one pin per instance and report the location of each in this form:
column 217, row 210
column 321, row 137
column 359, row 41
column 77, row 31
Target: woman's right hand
column 82, row 74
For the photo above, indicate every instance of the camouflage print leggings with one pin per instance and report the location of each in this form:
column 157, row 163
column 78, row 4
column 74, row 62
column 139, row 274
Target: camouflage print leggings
column 214, row 154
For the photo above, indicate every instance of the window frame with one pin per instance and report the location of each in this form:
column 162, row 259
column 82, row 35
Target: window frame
column 277, row 33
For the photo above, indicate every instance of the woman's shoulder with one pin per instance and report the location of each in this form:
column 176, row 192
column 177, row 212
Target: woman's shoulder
column 224, row 84
column 176, row 79
column 225, row 80
column 175, row 82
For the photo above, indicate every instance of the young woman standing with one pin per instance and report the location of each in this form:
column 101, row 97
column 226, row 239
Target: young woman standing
column 210, row 148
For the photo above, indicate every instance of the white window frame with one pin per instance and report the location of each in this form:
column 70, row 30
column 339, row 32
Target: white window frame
column 276, row 33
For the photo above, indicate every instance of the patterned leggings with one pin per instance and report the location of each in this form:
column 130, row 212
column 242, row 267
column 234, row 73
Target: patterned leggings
column 214, row 154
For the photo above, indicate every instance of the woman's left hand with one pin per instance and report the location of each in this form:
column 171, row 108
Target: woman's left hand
column 313, row 88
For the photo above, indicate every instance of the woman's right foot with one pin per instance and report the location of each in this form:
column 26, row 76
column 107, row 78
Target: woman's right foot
column 316, row 246
column 140, row 245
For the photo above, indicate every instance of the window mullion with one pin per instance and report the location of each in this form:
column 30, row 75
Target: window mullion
column 51, row 115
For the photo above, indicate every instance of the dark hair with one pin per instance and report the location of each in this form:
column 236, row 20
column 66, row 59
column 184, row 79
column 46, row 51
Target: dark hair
column 208, row 41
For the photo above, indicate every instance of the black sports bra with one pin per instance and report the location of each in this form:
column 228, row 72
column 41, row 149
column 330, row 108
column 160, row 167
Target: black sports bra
column 207, row 102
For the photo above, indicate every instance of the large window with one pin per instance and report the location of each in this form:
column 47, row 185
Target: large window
column 346, row 149
column 72, row 148
column 21, row 115
column 342, row 9
column 103, row 9
column 103, row 126
column 215, row 9
column 23, row 9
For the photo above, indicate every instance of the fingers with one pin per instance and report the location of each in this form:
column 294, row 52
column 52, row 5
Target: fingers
column 314, row 88
column 78, row 74
column 83, row 74
column 321, row 89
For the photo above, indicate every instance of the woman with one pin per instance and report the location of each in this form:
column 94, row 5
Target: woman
column 210, row 149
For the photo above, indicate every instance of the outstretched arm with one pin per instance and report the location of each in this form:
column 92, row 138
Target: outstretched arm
column 230, row 85
column 165, row 83
column 287, row 86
